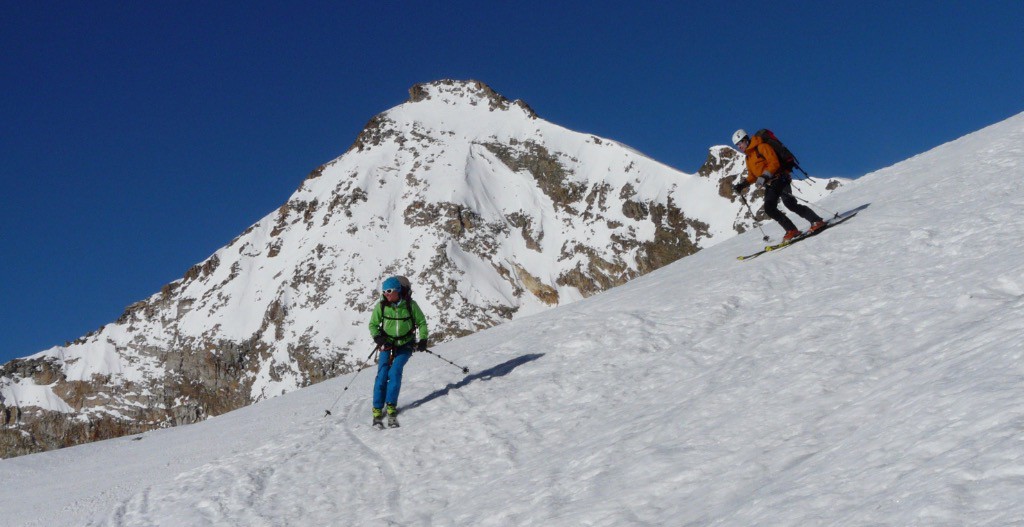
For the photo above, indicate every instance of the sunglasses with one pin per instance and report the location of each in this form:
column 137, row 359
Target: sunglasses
column 389, row 291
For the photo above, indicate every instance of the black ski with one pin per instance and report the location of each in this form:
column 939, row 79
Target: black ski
column 830, row 223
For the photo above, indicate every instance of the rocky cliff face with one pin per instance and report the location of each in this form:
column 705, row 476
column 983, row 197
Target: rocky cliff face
column 493, row 212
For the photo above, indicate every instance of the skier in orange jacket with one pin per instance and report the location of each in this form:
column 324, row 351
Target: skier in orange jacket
column 764, row 168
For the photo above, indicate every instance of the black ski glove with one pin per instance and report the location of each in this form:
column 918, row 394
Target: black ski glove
column 739, row 187
column 380, row 340
column 422, row 345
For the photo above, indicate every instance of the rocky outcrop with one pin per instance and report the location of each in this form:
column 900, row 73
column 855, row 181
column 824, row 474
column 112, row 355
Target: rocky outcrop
column 543, row 292
column 474, row 91
column 547, row 170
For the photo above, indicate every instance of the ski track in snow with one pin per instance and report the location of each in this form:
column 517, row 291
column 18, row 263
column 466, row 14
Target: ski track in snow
column 258, row 487
column 871, row 375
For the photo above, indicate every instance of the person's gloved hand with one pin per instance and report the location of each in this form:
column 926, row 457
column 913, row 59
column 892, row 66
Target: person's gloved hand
column 738, row 187
column 422, row 345
column 380, row 340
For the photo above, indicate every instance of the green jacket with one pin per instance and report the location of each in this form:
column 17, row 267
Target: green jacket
column 397, row 321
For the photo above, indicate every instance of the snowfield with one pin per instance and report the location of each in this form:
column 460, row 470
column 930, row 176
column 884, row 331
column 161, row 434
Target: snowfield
column 871, row 375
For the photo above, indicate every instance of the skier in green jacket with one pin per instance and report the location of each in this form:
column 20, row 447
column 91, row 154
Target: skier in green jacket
column 393, row 326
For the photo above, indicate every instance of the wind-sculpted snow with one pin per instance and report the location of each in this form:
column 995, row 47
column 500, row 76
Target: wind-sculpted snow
column 494, row 213
column 870, row 375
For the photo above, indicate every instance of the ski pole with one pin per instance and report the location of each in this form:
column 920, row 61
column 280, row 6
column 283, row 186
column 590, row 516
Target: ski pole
column 744, row 200
column 463, row 368
column 362, row 367
column 833, row 213
column 794, row 180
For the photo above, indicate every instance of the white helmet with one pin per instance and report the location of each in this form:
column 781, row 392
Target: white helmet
column 739, row 135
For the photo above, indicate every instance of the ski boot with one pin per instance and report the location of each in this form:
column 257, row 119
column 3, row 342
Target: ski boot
column 378, row 418
column 392, row 411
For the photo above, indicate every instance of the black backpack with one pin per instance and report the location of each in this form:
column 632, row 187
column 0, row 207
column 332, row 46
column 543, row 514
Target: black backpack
column 786, row 158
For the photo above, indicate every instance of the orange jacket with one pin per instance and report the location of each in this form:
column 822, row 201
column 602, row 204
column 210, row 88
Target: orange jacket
column 760, row 158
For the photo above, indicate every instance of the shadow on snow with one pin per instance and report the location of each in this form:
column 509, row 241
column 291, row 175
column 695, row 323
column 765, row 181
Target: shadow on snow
column 500, row 370
column 855, row 210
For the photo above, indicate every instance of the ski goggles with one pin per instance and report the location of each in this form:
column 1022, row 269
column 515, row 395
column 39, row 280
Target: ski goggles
column 392, row 290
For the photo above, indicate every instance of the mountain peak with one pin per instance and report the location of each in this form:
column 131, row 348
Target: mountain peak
column 456, row 92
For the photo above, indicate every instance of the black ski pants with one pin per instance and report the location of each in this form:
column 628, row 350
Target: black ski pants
column 781, row 188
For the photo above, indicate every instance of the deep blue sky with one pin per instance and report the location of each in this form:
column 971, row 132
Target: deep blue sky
column 138, row 140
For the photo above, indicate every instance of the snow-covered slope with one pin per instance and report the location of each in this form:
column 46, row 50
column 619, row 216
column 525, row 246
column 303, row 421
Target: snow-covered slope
column 493, row 212
column 871, row 375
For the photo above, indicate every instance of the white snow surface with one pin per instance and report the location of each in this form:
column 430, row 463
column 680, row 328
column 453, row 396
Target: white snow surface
column 871, row 375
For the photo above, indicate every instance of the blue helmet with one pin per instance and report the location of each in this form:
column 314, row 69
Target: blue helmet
column 391, row 283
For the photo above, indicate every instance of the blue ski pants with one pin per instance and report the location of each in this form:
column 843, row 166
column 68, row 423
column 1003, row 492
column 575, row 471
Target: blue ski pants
column 389, row 376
